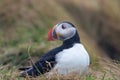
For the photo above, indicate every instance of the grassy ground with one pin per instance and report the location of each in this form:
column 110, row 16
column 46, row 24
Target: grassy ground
column 23, row 39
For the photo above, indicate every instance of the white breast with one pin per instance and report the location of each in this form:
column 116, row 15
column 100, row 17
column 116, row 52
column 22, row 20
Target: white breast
column 72, row 60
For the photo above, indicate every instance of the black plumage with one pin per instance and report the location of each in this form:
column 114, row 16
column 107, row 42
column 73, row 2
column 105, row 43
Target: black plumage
column 47, row 61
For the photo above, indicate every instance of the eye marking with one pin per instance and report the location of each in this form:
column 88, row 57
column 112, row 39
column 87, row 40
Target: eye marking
column 63, row 27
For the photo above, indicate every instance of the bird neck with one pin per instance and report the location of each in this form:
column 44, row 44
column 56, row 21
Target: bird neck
column 72, row 41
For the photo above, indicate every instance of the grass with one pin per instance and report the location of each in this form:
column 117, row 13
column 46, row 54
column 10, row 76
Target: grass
column 6, row 75
column 28, row 29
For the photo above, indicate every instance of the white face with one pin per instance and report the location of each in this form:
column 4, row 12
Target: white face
column 65, row 31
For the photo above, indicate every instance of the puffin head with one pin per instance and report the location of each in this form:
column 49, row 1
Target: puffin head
column 62, row 31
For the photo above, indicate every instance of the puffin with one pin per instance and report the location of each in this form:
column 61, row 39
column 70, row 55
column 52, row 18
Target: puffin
column 69, row 58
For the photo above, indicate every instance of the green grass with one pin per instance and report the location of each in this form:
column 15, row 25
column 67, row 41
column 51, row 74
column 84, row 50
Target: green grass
column 6, row 75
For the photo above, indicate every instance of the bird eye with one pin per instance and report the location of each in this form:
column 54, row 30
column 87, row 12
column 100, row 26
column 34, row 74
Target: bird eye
column 63, row 27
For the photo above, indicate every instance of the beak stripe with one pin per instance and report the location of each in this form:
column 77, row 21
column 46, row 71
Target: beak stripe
column 58, row 35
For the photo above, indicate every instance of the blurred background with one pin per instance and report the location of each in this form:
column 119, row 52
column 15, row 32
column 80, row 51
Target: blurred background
column 24, row 25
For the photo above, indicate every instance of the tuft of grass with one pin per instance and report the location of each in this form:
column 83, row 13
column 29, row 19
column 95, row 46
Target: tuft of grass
column 90, row 77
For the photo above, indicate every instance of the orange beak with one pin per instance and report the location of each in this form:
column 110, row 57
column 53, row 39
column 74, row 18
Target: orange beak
column 50, row 35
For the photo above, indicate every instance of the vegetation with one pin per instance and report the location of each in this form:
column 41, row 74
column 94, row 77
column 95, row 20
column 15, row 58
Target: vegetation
column 24, row 25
